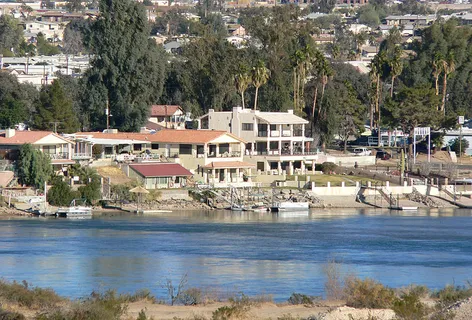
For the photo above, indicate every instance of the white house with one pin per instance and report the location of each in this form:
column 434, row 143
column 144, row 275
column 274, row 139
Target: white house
column 276, row 141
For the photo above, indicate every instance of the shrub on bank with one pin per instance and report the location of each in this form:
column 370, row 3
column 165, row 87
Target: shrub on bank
column 99, row 306
column 299, row 298
column 452, row 294
column 326, row 167
column 409, row 307
column 24, row 295
column 368, row 293
column 7, row 315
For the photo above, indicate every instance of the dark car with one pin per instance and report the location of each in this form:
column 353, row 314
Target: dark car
column 383, row 155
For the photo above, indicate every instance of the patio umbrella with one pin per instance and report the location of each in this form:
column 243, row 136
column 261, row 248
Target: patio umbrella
column 139, row 190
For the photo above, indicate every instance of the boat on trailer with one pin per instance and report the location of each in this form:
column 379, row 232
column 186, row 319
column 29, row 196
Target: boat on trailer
column 77, row 209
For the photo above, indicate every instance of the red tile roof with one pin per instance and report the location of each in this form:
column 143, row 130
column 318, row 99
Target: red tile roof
column 163, row 136
column 229, row 164
column 118, row 135
column 190, row 136
column 160, row 170
column 22, row 137
column 164, row 110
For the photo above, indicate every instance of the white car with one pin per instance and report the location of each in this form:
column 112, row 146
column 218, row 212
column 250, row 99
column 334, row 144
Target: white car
column 362, row 152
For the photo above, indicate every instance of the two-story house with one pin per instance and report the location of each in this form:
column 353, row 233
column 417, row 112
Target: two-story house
column 168, row 116
column 59, row 149
column 276, row 141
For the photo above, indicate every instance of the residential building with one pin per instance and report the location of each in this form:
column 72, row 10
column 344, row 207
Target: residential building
column 160, row 175
column 410, row 19
column 58, row 148
column 213, row 156
column 275, row 141
column 168, row 116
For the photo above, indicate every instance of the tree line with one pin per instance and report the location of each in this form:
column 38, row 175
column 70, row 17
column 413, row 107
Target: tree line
column 279, row 67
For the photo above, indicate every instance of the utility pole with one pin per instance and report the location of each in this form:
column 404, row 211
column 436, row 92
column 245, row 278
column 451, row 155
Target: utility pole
column 55, row 125
column 107, row 113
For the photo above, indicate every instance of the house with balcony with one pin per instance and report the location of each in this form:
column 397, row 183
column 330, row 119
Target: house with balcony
column 213, row 156
column 59, row 149
column 275, row 141
column 111, row 144
column 168, row 116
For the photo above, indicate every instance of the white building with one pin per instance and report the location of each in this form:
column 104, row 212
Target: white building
column 275, row 141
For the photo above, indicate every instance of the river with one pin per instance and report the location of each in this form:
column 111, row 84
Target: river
column 254, row 253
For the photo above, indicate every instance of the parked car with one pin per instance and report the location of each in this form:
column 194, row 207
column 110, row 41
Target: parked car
column 383, row 155
column 362, row 151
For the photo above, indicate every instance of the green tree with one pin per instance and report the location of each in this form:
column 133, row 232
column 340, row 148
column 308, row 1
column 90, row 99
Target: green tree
column 73, row 36
column 369, row 16
column 396, row 66
column 17, row 101
column 74, row 5
column 127, row 67
column 260, row 76
column 11, row 35
column 242, row 81
column 34, row 167
column 12, row 112
column 44, row 47
column 61, row 194
column 459, row 146
column 55, row 110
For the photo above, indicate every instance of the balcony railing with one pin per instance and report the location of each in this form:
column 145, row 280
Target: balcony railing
column 78, row 156
column 233, row 154
column 59, row 156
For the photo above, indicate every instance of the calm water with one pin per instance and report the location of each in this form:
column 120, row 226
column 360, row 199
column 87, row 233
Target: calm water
column 249, row 252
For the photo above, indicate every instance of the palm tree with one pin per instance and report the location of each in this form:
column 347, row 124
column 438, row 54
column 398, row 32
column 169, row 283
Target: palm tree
column 260, row 76
column 375, row 74
column 437, row 70
column 449, row 66
column 242, row 80
column 396, row 66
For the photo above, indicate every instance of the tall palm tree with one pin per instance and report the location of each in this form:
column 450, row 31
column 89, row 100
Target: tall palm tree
column 260, row 76
column 437, row 70
column 449, row 66
column 376, row 73
column 396, row 66
column 242, row 81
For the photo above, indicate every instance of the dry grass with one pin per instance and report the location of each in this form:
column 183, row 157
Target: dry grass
column 116, row 175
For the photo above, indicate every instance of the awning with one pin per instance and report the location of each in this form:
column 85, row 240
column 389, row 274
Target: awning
column 229, row 165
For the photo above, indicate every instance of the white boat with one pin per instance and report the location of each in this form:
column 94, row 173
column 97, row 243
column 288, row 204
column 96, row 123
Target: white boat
column 75, row 210
column 289, row 206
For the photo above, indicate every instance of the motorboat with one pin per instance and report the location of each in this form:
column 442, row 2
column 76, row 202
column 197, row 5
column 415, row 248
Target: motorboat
column 75, row 210
column 290, row 206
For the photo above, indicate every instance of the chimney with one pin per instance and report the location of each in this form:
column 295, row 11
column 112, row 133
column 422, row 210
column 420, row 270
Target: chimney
column 9, row 133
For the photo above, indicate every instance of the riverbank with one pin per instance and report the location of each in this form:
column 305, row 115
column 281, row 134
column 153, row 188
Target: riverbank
column 23, row 302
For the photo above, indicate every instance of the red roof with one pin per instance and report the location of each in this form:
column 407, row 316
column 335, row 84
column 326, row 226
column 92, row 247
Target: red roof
column 164, row 110
column 190, row 136
column 160, row 170
column 22, row 137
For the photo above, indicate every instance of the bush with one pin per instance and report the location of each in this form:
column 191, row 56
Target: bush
column 7, row 315
column 334, row 285
column 409, row 307
column 368, row 293
column 328, row 167
column 25, row 296
column 238, row 309
column 191, row 297
column 299, row 298
column 99, row 306
column 455, row 145
column 452, row 294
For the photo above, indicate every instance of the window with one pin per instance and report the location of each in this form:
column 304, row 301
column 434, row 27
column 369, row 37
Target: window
column 248, row 127
column 185, row 149
column 155, row 146
column 137, row 147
